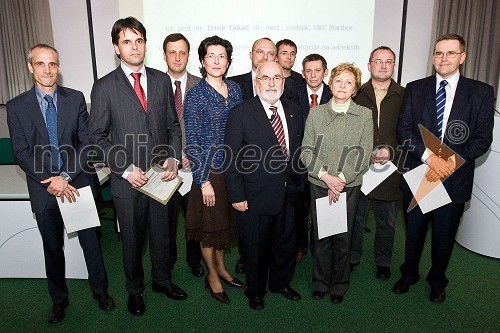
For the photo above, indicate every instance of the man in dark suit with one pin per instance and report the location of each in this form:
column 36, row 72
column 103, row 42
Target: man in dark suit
column 262, row 50
column 314, row 92
column 459, row 112
column 133, row 120
column 176, row 54
column 48, row 128
column 287, row 52
column 263, row 137
column 383, row 96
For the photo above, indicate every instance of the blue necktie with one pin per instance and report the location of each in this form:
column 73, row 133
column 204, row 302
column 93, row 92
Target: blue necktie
column 51, row 122
column 440, row 102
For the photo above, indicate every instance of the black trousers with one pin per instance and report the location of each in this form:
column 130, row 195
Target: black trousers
column 51, row 228
column 193, row 251
column 331, row 268
column 445, row 221
column 135, row 216
column 270, row 246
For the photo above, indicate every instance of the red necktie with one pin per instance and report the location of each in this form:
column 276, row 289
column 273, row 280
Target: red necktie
column 178, row 98
column 139, row 91
column 278, row 130
column 314, row 101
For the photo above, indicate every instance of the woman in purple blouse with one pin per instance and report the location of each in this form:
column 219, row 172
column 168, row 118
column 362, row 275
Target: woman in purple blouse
column 210, row 217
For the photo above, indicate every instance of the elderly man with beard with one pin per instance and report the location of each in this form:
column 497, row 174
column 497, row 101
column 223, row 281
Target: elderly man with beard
column 263, row 137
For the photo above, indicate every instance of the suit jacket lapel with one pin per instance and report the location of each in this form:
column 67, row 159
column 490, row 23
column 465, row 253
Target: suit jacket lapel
column 291, row 123
column 125, row 86
column 62, row 109
column 152, row 88
column 260, row 116
column 35, row 114
column 461, row 96
column 430, row 101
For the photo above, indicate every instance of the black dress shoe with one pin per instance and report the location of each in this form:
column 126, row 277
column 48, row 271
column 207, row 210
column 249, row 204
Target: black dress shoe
column 197, row 270
column 437, row 295
column 401, row 287
column 56, row 313
column 290, row 293
column 255, row 302
column 171, row 290
column 240, row 266
column 235, row 283
column 135, row 304
column 221, row 297
column 337, row 299
column 105, row 301
column 317, row 295
column 383, row 272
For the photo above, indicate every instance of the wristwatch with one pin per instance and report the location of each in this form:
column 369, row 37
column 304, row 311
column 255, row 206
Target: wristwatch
column 65, row 176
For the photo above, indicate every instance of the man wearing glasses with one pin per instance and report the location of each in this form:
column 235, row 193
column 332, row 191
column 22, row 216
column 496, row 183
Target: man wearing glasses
column 263, row 135
column 262, row 50
column 459, row 113
column 383, row 96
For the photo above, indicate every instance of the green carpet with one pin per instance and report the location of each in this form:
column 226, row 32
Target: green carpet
column 472, row 305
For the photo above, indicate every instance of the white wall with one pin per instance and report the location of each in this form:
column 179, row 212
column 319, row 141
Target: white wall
column 71, row 37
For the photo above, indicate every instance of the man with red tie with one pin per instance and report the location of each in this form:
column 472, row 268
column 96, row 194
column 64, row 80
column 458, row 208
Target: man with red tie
column 176, row 49
column 313, row 93
column 134, row 123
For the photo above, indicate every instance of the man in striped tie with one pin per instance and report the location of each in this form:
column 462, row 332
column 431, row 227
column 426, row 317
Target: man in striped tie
column 263, row 137
column 459, row 113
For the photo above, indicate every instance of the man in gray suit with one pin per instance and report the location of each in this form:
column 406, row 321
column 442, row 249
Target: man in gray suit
column 134, row 123
column 176, row 54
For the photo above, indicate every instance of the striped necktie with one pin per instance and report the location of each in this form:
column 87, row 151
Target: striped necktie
column 440, row 103
column 278, row 130
column 51, row 123
column 178, row 98
column 139, row 91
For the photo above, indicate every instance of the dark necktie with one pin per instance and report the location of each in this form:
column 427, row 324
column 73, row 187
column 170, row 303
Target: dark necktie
column 139, row 91
column 278, row 130
column 51, row 122
column 314, row 101
column 440, row 103
column 178, row 98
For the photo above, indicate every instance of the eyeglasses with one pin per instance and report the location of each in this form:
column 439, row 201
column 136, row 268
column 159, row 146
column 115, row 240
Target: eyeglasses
column 386, row 62
column 262, row 53
column 449, row 54
column 267, row 79
column 212, row 56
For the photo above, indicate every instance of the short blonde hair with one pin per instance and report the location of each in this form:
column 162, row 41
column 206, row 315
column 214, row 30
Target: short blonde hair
column 345, row 66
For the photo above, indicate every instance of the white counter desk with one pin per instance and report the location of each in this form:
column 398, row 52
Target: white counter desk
column 21, row 251
column 480, row 227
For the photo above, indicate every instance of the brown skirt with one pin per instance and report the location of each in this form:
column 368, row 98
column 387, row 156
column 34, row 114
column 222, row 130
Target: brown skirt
column 213, row 226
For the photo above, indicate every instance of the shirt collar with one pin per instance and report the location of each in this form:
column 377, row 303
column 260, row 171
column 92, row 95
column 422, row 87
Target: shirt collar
column 127, row 70
column 452, row 80
column 319, row 92
column 183, row 78
column 266, row 106
column 40, row 94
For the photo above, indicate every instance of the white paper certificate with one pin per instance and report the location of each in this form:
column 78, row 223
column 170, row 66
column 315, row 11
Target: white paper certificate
column 81, row 214
column 332, row 219
column 187, row 181
column 158, row 189
column 429, row 196
column 376, row 175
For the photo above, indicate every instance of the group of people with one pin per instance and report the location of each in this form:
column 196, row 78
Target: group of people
column 262, row 147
